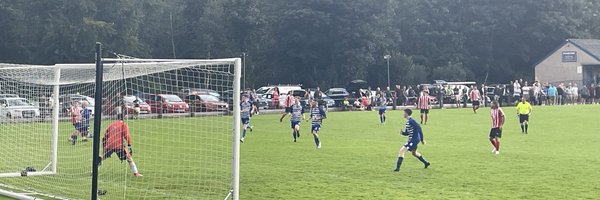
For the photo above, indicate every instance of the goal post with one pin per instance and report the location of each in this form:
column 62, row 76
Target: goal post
column 182, row 115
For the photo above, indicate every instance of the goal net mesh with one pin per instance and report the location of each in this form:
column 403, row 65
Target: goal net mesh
column 178, row 112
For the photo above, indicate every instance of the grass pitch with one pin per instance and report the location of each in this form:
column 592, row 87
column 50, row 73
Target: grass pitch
column 557, row 159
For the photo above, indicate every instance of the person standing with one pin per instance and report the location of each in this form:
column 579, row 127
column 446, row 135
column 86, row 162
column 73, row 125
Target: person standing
column 440, row 95
column 585, row 94
column 575, row 94
column 423, row 105
column 456, row 93
column 552, row 95
column 498, row 119
column 560, row 94
column 275, row 98
column 524, row 110
column 475, row 96
column 516, row 90
column 415, row 136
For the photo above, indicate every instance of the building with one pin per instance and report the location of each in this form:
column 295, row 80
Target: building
column 574, row 61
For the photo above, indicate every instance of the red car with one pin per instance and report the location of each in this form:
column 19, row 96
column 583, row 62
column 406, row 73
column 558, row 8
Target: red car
column 206, row 103
column 170, row 103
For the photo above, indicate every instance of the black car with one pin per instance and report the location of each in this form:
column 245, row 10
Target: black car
column 338, row 95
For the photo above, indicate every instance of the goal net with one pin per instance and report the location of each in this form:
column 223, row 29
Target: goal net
column 181, row 121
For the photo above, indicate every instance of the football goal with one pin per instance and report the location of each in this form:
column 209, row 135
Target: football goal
column 169, row 129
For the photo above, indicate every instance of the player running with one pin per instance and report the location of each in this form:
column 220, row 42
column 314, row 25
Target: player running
column 524, row 110
column 289, row 101
column 475, row 96
column 382, row 107
column 317, row 114
column 245, row 112
column 116, row 133
column 75, row 112
column 415, row 135
column 84, row 127
column 423, row 104
column 295, row 118
column 497, row 123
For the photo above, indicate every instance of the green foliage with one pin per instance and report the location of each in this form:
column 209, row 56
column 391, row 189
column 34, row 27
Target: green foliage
column 323, row 42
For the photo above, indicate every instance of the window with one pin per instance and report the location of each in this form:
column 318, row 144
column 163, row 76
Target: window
column 569, row 56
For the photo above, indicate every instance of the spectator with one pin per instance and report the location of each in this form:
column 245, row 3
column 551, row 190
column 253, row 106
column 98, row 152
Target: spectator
column 560, row 93
column 585, row 94
column 574, row 93
column 593, row 94
column 456, row 93
column 569, row 94
column 357, row 103
column 516, row 90
column 346, row 104
column 275, row 98
column 552, row 95
column 597, row 93
column 440, row 95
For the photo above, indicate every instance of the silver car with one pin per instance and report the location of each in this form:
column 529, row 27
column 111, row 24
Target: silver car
column 15, row 107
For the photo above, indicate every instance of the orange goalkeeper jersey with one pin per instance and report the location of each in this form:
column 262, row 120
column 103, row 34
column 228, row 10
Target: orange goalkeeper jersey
column 115, row 134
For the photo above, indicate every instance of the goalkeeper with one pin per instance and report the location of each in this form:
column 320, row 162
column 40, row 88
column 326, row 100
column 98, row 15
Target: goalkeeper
column 116, row 133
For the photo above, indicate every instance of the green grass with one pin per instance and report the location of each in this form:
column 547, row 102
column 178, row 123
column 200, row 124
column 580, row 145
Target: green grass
column 558, row 159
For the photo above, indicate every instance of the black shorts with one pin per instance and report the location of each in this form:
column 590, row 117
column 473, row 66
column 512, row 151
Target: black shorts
column 424, row 111
column 120, row 152
column 495, row 133
column 475, row 103
column 288, row 109
column 523, row 118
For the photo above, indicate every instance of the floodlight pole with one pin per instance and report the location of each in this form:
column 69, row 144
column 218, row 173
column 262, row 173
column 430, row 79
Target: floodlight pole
column 97, row 120
column 244, row 69
column 387, row 58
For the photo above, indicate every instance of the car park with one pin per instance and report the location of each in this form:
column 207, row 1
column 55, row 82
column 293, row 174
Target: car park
column 337, row 94
column 265, row 94
column 16, row 107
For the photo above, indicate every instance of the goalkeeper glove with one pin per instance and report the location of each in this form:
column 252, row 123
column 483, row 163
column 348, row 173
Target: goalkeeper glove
column 130, row 149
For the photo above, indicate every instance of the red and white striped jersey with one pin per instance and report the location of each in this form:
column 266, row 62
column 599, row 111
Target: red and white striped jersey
column 497, row 117
column 423, row 102
column 289, row 101
column 475, row 96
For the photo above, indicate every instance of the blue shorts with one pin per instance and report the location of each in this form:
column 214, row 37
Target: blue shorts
column 315, row 127
column 295, row 123
column 83, row 128
column 245, row 121
column 77, row 125
column 382, row 110
column 411, row 145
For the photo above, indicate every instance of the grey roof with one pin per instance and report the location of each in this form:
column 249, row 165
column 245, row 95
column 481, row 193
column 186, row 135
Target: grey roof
column 590, row 46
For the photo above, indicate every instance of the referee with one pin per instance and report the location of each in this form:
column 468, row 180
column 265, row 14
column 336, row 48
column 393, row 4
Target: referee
column 524, row 110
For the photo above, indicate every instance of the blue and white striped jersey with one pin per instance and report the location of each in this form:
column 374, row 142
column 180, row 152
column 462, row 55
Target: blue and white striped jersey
column 245, row 108
column 85, row 116
column 317, row 115
column 297, row 112
column 413, row 130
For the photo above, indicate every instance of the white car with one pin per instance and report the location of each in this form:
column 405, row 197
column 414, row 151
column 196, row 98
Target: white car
column 15, row 107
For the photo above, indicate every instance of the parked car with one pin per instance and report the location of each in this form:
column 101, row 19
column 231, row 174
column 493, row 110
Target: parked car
column 9, row 96
column 206, row 103
column 145, row 108
column 15, row 107
column 337, row 94
column 329, row 102
column 169, row 103
column 65, row 102
column 190, row 91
